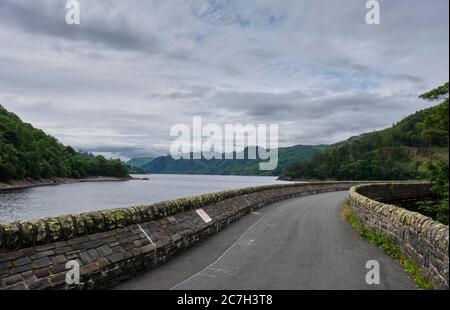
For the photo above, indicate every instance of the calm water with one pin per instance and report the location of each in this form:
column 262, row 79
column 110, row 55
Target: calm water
column 46, row 201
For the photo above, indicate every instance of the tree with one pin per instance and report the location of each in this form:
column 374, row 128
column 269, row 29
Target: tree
column 436, row 124
column 28, row 152
column 397, row 153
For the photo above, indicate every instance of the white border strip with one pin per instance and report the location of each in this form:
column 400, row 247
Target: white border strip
column 148, row 237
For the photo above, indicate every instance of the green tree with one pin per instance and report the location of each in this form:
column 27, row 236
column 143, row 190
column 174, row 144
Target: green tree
column 29, row 152
column 396, row 153
column 436, row 124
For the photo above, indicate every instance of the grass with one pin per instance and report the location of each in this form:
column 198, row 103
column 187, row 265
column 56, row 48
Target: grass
column 387, row 246
column 440, row 149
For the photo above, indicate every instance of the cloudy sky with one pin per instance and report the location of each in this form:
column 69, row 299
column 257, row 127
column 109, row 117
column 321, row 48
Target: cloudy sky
column 117, row 82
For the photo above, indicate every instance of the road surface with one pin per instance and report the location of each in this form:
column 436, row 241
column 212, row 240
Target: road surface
column 301, row 243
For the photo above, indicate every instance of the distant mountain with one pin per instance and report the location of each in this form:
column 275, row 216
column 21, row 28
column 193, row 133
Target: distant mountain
column 139, row 162
column 399, row 152
column 29, row 152
column 287, row 156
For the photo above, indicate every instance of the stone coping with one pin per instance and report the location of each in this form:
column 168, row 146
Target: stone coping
column 23, row 234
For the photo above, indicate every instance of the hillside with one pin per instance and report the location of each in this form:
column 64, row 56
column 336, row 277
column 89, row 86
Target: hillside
column 286, row 156
column 139, row 162
column 399, row 152
column 27, row 152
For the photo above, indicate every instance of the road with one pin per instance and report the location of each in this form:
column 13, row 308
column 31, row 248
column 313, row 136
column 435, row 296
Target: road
column 301, row 243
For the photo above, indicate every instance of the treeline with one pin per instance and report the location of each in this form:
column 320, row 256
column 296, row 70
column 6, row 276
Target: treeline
column 436, row 124
column 286, row 157
column 400, row 152
column 28, row 152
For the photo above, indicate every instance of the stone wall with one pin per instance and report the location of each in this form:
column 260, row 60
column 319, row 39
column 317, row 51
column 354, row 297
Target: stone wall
column 422, row 239
column 111, row 245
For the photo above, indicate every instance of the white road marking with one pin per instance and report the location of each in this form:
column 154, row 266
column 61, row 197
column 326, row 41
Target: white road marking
column 246, row 242
column 221, row 256
column 207, row 275
column 223, row 271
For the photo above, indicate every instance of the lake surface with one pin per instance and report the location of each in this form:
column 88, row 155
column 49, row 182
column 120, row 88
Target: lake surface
column 40, row 202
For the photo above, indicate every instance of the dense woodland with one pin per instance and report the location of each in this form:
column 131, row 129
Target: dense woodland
column 436, row 124
column 28, row 152
column 400, row 152
column 415, row 148
column 286, row 157
column 139, row 162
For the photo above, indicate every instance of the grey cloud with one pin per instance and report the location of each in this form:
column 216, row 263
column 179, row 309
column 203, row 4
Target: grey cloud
column 183, row 93
column 288, row 106
column 232, row 13
column 120, row 80
column 128, row 152
column 256, row 103
column 321, row 119
column 39, row 19
column 407, row 77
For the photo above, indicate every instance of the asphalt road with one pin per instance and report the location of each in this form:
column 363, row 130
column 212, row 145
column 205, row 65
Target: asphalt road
column 300, row 243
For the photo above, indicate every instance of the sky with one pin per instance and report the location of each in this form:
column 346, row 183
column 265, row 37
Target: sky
column 117, row 83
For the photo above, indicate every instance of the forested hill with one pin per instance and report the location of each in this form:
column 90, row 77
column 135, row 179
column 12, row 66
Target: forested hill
column 139, row 162
column 28, row 152
column 400, row 152
column 286, row 156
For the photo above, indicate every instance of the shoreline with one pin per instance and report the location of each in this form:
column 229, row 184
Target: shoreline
column 30, row 183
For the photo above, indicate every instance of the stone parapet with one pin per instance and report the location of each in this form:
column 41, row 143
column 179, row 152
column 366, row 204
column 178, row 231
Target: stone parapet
column 111, row 246
column 422, row 239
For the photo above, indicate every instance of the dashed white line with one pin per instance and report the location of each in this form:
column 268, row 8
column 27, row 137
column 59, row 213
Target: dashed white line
column 221, row 256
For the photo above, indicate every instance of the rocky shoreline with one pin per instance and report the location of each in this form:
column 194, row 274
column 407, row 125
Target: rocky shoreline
column 28, row 182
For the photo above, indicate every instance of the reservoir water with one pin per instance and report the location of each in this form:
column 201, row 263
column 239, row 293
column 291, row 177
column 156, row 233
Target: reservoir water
column 40, row 202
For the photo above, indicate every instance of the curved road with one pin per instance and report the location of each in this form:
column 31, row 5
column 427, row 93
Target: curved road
column 301, row 243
